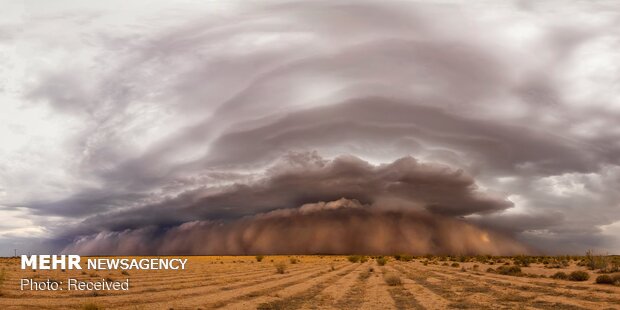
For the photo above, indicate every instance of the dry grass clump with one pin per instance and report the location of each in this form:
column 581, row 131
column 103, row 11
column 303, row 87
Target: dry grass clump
column 294, row 260
column 603, row 263
column 403, row 257
column 509, row 270
column 381, row 261
column 354, row 258
column 522, row 260
column 560, row 275
column 607, row 279
column 392, row 279
column 259, row 258
column 280, row 267
column 455, row 265
column 578, row 276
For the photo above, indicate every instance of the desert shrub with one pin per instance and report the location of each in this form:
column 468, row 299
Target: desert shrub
column 280, row 267
column 294, row 260
column 403, row 257
column 523, row 261
column 560, row 275
column 604, row 279
column 332, row 267
column 259, row 258
column 594, row 262
column 578, row 276
column 363, row 259
column 455, row 265
column 509, row 270
column 354, row 258
column 125, row 272
column 392, row 279
column 381, row 261
column 476, row 267
column 491, row 270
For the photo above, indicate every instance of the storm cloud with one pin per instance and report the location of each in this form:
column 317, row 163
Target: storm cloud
column 155, row 122
column 302, row 178
column 337, row 227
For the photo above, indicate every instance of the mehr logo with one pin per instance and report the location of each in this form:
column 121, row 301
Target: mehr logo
column 47, row 262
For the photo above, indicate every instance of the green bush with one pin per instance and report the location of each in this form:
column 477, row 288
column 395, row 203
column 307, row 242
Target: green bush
column 579, row 276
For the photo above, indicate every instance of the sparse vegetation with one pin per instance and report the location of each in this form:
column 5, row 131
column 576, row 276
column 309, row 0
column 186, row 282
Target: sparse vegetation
column 381, row 261
column 294, row 260
column 392, row 279
column 578, row 276
column 560, row 275
column 280, row 267
column 354, row 258
column 455, row 265
column 320, row 282
column 604, row 279
column 403, row 257
column 509, row 270
column 125, row 272
column 259, row 258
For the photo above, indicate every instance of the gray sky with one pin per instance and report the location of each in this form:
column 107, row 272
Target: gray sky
column 139, row 120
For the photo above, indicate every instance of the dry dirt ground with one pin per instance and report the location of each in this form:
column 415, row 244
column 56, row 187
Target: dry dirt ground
column 315, row 282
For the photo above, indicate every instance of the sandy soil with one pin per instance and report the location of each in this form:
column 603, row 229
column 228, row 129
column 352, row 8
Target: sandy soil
column 315, row 282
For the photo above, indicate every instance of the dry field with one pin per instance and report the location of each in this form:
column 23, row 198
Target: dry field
column 325, row 282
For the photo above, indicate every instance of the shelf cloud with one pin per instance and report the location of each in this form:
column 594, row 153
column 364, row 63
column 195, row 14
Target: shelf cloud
column 174, row 128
